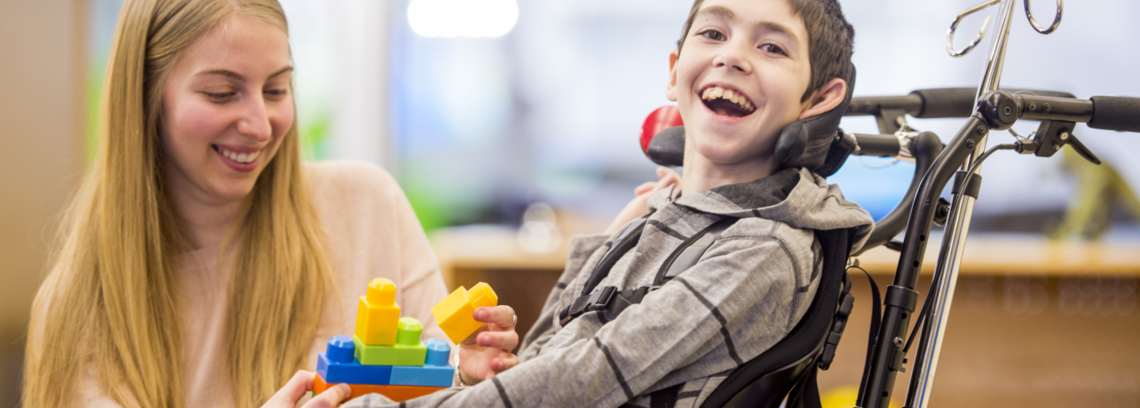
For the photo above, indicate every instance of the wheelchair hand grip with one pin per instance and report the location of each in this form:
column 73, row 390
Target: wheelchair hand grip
column 1116, row 113
column 945, row 102
column 877, row 145
column 959, row 102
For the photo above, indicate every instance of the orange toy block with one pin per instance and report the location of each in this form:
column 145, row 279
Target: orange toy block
column 377, row 314
column 398, row 393
column 455, row 313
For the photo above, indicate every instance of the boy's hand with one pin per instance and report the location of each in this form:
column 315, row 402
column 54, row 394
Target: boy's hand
column 299, row 386
column 639, row 206
column 488, row 351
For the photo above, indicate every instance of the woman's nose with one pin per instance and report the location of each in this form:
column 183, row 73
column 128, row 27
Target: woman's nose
column 254, row 122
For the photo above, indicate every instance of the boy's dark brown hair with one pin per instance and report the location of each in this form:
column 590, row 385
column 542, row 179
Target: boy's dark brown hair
column 830, row 39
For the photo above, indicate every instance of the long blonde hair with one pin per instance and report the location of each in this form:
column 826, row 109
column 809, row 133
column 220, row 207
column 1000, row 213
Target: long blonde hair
column 108, row 302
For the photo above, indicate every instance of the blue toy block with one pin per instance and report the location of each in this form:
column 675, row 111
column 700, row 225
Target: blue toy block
column 434, row 373
column 337, row 365
column 438, row 351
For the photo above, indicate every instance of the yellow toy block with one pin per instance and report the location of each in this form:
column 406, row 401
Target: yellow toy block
column 378, row 313
column 455, row 314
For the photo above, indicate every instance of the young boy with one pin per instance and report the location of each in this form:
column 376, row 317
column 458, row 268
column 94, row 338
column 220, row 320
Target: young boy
column 743, row 70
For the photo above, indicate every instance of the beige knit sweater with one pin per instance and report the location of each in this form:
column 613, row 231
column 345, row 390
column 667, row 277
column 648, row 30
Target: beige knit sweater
column 372, row 233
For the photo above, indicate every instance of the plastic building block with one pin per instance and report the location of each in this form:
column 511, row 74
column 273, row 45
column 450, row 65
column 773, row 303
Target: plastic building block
column 337, row 364
column 398, row 393
column 435, row 371
column 394, row 355
column 408, row 331
column 377, row 314
column 438, row 352
column 455, row 314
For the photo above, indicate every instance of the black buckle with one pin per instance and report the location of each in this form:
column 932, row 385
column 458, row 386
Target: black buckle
column 600, row 300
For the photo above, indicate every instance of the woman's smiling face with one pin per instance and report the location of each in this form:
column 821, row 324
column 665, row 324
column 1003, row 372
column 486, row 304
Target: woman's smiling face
column 226, row 105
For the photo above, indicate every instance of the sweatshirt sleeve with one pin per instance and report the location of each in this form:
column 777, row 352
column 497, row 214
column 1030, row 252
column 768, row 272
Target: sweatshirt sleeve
column 581, row 249
column 726, row 309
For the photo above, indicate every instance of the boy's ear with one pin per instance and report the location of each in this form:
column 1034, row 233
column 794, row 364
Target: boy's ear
column 670, row 89
column 825, row 99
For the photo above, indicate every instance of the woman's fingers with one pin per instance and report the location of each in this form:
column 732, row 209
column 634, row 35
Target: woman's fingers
column 644, row 188
column 665, row 172
column 506, row 340
column 330, row 398
column 501, row 316
column 293, row 390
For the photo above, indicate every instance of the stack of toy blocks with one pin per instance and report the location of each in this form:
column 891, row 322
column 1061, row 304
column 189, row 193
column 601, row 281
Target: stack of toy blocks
column 385, row 355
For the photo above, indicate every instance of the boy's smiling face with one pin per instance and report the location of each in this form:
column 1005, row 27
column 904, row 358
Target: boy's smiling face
column 739, row 80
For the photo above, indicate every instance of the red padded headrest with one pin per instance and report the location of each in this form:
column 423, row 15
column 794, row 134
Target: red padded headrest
column 663, row 118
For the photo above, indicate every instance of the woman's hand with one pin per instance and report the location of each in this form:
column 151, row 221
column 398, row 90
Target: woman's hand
column 299, row 386
column 639, row 206
column 488, row 351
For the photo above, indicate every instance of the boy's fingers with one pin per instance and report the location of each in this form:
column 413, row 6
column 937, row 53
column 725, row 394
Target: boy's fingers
column 501, row 316
column 504, row 364
column 507, row 340
column 330, row 398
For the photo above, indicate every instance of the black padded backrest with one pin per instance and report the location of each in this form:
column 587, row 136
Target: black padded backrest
column 767, row 379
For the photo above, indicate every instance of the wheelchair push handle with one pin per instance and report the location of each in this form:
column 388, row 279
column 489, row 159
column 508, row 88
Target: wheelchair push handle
column 1115, row 113
column 932, row 103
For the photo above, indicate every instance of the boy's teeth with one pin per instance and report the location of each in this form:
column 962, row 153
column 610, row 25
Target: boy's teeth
column 715, row 92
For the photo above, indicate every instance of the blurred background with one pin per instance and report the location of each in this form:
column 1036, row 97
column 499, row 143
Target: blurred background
column 512, row 124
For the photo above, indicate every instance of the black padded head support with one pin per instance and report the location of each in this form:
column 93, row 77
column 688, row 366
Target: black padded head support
column 808, row 142
column 803, row 143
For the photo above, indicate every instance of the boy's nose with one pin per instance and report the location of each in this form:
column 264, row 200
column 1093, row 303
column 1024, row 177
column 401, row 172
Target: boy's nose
column 254, row 123
column 733, row 57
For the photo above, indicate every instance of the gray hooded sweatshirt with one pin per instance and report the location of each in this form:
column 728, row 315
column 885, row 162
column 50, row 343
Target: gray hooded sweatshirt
column 743, row 295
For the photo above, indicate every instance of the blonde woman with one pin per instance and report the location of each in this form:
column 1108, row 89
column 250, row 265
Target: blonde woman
column 202, row 264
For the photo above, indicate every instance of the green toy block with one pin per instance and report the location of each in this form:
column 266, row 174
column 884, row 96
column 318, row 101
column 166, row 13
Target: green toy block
column 395, row 355
column 408, row 331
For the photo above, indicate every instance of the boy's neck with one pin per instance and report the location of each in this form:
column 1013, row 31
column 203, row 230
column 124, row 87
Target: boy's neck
column 700, row 174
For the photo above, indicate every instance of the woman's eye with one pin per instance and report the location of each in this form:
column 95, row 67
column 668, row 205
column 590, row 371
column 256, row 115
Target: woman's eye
column 773, row 48
column 218, row 96
column 713, row 35
column 276, row 92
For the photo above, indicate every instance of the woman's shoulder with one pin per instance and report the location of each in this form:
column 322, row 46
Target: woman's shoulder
column 350, row 181
column 344, row 174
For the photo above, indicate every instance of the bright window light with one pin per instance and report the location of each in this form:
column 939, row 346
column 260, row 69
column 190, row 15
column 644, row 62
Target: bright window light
column 463, row 18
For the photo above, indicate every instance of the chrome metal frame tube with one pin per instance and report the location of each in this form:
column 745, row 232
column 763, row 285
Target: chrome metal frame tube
column 953, row 243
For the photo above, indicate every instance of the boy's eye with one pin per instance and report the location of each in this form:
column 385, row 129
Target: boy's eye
column 713, row 35
column 773, row 48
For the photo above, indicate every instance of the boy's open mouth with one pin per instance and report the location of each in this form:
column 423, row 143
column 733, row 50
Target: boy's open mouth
column 726, row 102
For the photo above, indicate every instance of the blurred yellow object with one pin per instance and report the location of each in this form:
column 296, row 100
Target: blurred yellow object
column 843, row 397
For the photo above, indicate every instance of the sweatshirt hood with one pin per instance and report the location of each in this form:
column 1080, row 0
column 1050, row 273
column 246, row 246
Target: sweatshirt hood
column 794, row 196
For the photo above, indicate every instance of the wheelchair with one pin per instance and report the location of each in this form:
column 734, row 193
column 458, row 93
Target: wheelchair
column 786, row 372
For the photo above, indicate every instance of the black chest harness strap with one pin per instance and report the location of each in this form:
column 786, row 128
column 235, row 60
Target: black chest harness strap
column 610, row 302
